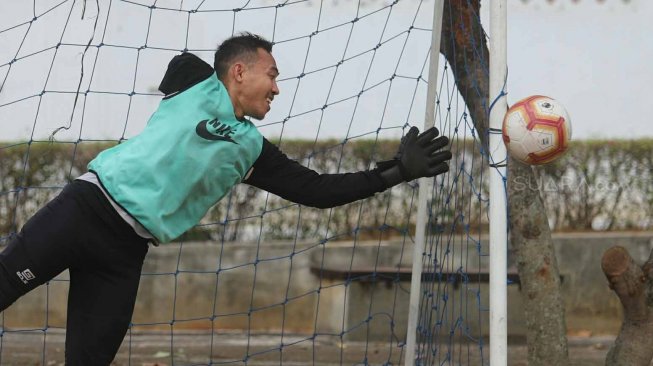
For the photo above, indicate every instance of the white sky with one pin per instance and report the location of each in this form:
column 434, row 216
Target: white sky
column 593, row 57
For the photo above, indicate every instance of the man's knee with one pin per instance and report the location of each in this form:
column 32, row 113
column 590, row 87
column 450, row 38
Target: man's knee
column 17, row 274
column 10, row 290
column 94, row 340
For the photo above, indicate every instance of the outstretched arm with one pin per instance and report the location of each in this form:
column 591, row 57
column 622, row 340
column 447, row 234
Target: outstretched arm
column 274, row 172
column 418, row 156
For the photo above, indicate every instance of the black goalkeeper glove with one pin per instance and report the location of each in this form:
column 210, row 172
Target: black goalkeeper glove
column 417, row 157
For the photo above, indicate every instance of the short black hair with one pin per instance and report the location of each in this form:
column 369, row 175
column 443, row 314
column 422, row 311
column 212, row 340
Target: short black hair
column 243, row 45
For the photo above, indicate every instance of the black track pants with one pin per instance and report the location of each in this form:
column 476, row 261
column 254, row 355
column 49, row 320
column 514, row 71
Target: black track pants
column 79, row 231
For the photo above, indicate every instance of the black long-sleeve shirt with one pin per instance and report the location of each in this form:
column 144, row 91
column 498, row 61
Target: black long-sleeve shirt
column 274, row 172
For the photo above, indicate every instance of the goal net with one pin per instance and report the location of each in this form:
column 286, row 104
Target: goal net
column 259, row 280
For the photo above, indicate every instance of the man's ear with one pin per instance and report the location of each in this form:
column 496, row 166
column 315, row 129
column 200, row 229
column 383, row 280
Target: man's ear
column 237, row 71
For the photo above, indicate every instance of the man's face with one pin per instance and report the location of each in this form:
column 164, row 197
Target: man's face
column 259, row 85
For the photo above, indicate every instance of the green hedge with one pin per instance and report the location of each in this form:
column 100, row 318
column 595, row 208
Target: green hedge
column 598, row 185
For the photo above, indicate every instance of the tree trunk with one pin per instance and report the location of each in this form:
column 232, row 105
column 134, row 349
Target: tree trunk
column 634, row 287
column 465, row 48
column 463, row 45
column 530, row 237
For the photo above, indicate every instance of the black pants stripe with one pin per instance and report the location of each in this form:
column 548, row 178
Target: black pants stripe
column 81, row 232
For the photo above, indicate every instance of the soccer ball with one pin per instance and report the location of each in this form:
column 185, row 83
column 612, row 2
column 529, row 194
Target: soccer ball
column 536, row 130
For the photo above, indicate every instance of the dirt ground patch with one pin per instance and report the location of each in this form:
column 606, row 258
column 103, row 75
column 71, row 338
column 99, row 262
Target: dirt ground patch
column 195, row 348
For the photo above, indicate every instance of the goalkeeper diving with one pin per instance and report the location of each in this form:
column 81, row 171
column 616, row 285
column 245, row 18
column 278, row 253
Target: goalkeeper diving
column 152, row 188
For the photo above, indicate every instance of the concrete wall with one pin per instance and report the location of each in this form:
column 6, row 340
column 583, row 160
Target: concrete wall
column 589, row 303
column 278, row 286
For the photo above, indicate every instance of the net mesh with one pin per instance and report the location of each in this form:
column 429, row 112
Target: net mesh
column 259, row 280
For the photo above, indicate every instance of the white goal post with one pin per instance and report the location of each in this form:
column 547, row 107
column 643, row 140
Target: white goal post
column 263, row 280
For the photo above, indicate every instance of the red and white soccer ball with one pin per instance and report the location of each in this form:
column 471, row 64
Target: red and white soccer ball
column 536, row 130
